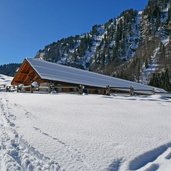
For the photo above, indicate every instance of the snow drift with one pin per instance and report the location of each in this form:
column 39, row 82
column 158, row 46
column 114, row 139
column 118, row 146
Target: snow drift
column 92, row 132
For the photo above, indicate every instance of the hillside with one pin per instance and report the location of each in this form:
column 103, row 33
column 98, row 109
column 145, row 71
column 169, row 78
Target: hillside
column 9, row 69
column 5, row 80
column 132, row 46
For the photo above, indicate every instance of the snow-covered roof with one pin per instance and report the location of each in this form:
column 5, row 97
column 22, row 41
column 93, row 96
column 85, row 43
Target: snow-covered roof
column 58, row 72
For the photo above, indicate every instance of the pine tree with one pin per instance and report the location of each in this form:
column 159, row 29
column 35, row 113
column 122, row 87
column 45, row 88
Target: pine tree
column 161, row 80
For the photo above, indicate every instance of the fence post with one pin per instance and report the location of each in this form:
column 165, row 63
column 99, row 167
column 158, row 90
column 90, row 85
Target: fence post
column 80, row 89
column 108, row 90
column 131, row 91
column 31, row 89
column 50, row 87
column 153, row 91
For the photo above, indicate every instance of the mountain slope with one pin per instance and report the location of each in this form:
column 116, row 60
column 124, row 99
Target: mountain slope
column 104, row 44
column 132, row 46
column 9, row 69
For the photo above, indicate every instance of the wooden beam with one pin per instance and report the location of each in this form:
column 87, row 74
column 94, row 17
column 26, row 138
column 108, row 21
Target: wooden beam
column 18, row 74
column 36, row 77
column 23, row 73
column 18, row 82
column 29, row 76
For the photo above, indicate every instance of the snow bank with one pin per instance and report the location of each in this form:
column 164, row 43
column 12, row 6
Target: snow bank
column 5, row 80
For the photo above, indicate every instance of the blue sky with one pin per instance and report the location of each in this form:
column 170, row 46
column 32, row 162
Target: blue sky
column 28, row 25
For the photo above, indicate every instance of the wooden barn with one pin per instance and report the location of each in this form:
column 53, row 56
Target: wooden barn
column 65, row 78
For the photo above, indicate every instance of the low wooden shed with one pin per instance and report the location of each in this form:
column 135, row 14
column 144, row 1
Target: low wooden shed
column 40, row 71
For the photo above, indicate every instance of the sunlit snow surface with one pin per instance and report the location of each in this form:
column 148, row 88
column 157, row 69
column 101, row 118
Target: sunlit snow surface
column 5, row 80
column 90, row 132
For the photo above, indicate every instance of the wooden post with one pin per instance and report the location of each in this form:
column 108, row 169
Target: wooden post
column 17, row 88
column 7, row 88
column 31, row 89
column 108, row 90
column 131, row 91
column 80, row 89
column 153, row 91
column 49, row 88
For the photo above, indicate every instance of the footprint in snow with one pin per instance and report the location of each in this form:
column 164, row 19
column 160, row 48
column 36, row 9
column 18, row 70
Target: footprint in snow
column 168, row 157
column 153, row 167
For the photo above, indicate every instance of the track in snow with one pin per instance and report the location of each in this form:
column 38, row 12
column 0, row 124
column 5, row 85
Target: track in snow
column 15, row 153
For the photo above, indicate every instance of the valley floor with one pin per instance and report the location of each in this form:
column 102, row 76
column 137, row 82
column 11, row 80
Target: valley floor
column 87, row 133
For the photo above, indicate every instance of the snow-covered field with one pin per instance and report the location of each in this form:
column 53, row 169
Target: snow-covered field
column 5, row 80
column 91, row 133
